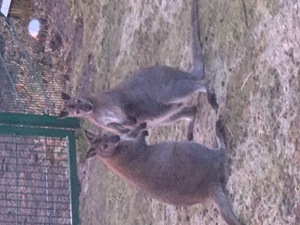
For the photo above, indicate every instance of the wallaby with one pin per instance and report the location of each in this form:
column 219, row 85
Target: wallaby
column 157, row 95
column 177, row 173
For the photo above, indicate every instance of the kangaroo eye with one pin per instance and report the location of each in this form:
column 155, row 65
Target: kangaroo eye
column 78, row 101
column 104, row 146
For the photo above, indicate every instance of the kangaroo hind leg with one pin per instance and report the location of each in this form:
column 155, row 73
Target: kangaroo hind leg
column 187, row 113
column 183, row 91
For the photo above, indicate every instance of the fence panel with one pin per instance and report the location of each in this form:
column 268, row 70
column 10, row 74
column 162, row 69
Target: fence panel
column 38, row 175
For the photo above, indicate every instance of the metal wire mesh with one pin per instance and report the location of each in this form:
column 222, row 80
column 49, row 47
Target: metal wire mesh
column 34, row 182
column 35, row 171
column 28, row 85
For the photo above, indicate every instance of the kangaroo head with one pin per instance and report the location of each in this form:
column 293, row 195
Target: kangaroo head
column 104, row 146
column 75, row 106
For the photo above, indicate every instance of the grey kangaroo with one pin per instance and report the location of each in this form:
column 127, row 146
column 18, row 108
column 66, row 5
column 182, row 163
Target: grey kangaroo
column 178, row 173
column 157, row 95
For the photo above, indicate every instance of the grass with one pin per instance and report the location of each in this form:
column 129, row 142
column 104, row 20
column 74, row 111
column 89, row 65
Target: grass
column 75, row 9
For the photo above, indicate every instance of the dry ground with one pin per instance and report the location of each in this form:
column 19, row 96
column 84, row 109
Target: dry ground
column 252, row 57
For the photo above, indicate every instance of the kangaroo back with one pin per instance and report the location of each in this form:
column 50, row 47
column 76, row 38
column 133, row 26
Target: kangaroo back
column 161, row 84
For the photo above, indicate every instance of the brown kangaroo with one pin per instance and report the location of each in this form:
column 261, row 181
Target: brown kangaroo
column 157, row 95
column 177, row 173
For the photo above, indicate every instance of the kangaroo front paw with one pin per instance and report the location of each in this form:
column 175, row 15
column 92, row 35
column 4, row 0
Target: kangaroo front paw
column 220, row 128
column 145, row 133
column 132, row 120
column 212, row 99
column 143, row 125
column 124, row 131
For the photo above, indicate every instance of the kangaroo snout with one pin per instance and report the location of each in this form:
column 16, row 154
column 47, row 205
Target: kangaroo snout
column 91, row 152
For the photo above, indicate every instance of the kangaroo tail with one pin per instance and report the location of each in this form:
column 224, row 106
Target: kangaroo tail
column 224, row 207
column 220, row 199
column 197, row 69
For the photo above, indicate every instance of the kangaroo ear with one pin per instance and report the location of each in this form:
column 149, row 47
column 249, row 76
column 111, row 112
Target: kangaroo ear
column 143, row 125
column 88, row 106
column 145, row 133
column 65, row 97
column 90, row 136
column 63, row 113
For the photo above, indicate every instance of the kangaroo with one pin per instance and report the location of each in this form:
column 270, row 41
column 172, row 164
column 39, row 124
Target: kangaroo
column 177, row 173
column 157, row 95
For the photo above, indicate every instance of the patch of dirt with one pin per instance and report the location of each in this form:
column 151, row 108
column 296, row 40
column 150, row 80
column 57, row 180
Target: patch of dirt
column 62, row 37
column 252, row 53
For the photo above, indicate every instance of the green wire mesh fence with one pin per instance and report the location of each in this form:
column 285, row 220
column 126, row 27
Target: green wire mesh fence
column 38, row 177
column 34, row 181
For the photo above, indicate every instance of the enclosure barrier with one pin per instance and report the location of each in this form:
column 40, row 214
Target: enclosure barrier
column 38, row 174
